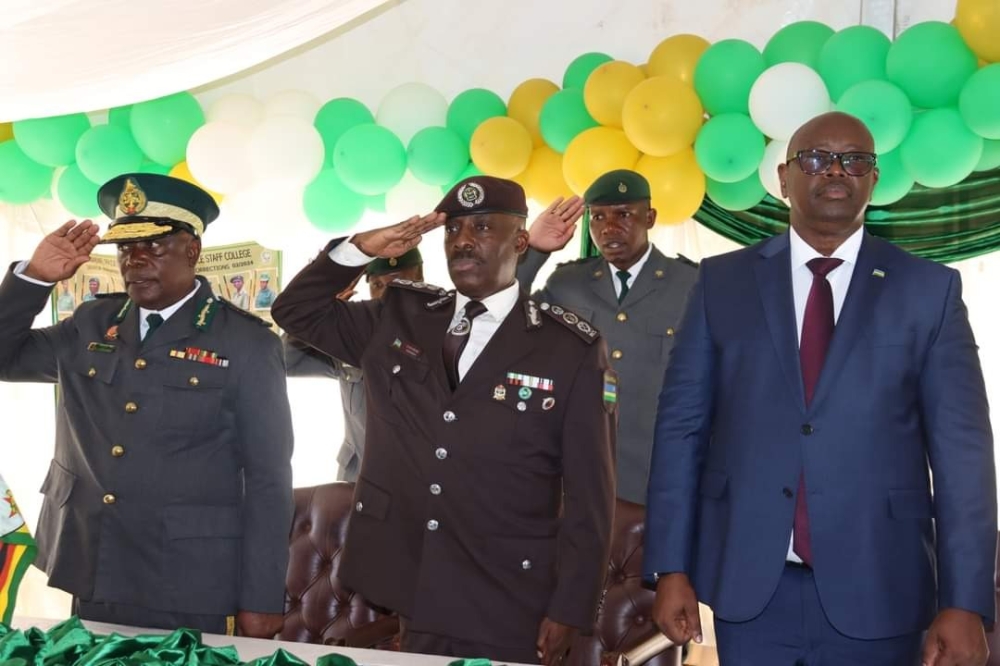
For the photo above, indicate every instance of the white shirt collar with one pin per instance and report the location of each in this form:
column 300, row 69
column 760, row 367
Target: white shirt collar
column 167, row 311
column 802, row 251
column 635, row 268
column 498, row 305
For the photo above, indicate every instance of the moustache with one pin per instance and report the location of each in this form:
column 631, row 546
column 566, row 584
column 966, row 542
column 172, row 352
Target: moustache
column 463, row 256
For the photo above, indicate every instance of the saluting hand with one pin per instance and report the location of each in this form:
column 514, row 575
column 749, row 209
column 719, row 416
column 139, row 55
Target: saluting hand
column 62, row 252
column 397, row 239
column 555, row 225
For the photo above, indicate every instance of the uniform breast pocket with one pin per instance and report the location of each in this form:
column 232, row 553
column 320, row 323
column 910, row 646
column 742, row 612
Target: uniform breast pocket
column 533, row 416
column 192, row 396
column 663, row 330
column 95, row 367
column 405, row 380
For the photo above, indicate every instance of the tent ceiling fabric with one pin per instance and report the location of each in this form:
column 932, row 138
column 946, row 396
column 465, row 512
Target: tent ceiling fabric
column 64, row 56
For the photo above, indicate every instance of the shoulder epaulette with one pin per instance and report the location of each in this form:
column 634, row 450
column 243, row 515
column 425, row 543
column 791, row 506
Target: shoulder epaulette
column 422, row 287
column 114, row 294
column 573, row 262
column 572, row 321
column 237, row 309
column 684, row 260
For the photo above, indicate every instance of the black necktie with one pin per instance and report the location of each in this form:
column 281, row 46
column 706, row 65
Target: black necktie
column 456, row 339
column 623, row 276
column 153, row 321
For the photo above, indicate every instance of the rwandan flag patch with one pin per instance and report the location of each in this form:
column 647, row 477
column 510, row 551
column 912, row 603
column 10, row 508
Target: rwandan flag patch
column 610, row 390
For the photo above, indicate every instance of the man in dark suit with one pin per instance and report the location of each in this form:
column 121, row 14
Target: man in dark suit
column 304, row 361
column 169, row 499
column 631, row 293
column 824, row 383
column 484, row 504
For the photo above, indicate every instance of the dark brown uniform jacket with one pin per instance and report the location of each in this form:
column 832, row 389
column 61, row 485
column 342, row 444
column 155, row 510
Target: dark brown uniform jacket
column 478, row 512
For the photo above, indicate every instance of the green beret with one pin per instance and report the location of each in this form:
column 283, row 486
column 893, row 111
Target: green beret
column 382, row 266
column 617, row 187
column 147, row 206
column 484, row 194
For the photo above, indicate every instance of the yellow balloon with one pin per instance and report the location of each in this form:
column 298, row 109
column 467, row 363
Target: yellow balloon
column 676, row 184
column 182, row 171
column 978, row 21
column 606, row 88
column 544, row 180
column 677, row 56
column 595, row 152
column 662, row 116
column 501, row 147
column 6, row 131
column 526, row 102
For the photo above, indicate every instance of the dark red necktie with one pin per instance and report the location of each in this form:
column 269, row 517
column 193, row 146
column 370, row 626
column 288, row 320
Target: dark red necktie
column 817, row 330
column 456, row 339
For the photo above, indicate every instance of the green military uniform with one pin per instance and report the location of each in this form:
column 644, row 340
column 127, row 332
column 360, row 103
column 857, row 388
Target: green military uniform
column 265, row 297
column 639, row 331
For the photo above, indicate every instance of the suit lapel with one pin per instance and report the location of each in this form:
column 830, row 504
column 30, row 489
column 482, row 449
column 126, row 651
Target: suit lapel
column 649, row 279
column 505, row 347
column 600, row 283
column 434, row 328
column 773, row 271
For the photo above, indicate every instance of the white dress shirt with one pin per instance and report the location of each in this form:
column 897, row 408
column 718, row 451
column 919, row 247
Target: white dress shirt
column 802, row 278
column 633, row 271
column 165, row 312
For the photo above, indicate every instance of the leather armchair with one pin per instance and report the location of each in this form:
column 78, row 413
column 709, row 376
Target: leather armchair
column 318, row 608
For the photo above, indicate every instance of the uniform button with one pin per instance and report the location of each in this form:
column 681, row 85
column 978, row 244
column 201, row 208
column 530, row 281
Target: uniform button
column 787, row 492
column 140, row 364
column 526, row 565
column 92, row 372
column 359, row 506
column 622, row 316
column 110, row 499
column 435, row 489
column 131, row 408
column 449, row 416
column 117, row 451
column 617, row 354
column 193, row 381
column 441, row 453
column 807, row 429
column 396, row 369
column 432, row 525
column 670, row 331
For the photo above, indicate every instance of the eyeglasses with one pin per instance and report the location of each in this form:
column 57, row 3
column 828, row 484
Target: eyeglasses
column 816, row 162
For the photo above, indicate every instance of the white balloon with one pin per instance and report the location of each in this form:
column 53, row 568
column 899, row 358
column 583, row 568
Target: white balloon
column 286, row 147
column 785, row 96
column 217, row 157
column 411, row 197
column 411, row 107
column 293, row 103
column 270, row 213
column 774, row 154
column 236, row 108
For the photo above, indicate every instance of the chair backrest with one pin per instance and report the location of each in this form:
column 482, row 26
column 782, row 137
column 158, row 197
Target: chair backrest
column 318, row 609
column 625, row 618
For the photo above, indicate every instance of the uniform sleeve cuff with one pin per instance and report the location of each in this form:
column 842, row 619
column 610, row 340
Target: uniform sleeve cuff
column 348, row 254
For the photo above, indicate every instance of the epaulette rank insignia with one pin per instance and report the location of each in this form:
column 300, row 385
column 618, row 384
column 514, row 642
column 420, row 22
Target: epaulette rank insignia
column 200, row 356
column 571, row 321
column 532, row 315
column 684, row 260
column 417, row 285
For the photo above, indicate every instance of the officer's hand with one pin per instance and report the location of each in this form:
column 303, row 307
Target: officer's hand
column 553, row 641
column 555, row 225
column 397, row 239
column 349, row 291
column 62, row 252
column 258, row 625
column 956, row 638
column 675, row 609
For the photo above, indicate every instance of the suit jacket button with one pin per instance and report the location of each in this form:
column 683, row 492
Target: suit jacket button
column 117, row 451
column 435, row 489
column 670, row 332
column 622, row 316
column 807, row 429
column 449, row 416
column 193, row 381
column 432, row 525
column 92, row 372
column 109, row 499
column 441, row 453
column 131, row 408
column 396, row 369
column 787, row 492
column 526, row 565
column 140, row 364
column 359, row 506
column 617, row 354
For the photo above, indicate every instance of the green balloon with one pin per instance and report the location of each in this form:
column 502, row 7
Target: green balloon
column 724, row 75
column 121, row 116
column 851, row 56
column 800, row 42
column 436, row 155
column 991, row 155
column 979, row 102
column 931, row 62
column 330, row 205
column 940, row 149
column 582, row 67
column 470, row 108
column 375, row 202
column 153, row 167
column 563, row 116
column 336, row 117
column 51, row 141
column 78, row 193
column 883, row 108
column 22, row 180
column 471, row 171
column 106, row 151
column 741, row 195
column 729, row 148
column 894, row 181
column 162, row 127
column 369, row 159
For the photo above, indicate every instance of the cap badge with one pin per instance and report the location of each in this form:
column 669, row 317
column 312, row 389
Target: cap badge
column 393, row 261
column 471, row 195
column 622, row 187
column 132, row 200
